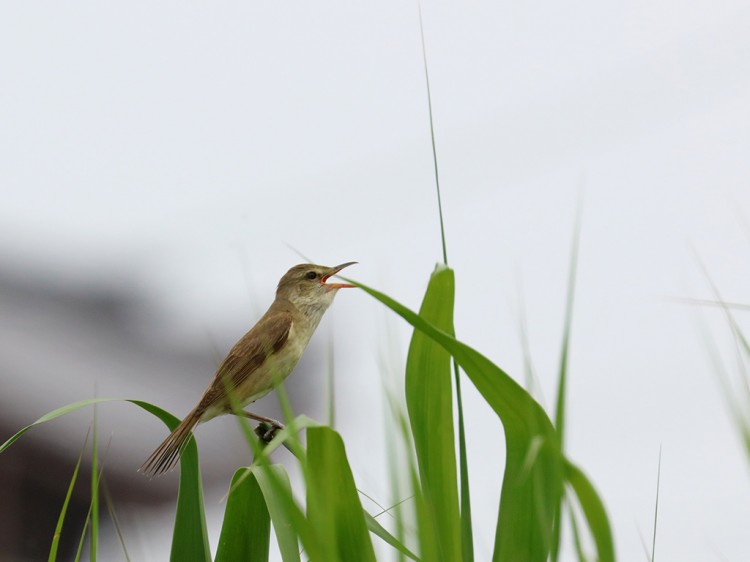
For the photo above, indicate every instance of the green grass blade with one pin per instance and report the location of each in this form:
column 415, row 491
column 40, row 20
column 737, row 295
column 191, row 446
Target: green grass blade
column 467, row 537
column 563, row 372
column 427, row 529
column 190, row 538
column 333, row 505
column 593, row 510
column 563, row 376
column 467, row 532
column 53, row 415
column 578, row 545
column 530, row 490
column 377, row 529
column 64, row 510
column 429, row 402
column 81, row 542
column 246, row 532
column 278, row 507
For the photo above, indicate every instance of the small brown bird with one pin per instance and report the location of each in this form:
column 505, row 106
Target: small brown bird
column 264, row 356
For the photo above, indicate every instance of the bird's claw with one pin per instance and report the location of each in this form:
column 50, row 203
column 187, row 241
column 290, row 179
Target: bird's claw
column 267, row 431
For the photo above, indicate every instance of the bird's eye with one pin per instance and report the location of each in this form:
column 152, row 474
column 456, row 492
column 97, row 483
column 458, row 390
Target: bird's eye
column 311, row 275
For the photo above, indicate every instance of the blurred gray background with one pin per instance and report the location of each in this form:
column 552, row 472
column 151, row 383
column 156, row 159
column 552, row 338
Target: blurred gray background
column 156, row 160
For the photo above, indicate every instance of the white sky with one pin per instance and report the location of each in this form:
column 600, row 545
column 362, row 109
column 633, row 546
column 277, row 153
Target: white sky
column 175, row 149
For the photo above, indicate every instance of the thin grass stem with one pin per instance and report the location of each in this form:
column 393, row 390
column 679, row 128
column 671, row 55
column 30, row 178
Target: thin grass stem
column 432, row 136
column 656, row 508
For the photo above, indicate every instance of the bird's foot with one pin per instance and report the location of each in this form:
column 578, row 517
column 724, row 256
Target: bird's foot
column 266, row 431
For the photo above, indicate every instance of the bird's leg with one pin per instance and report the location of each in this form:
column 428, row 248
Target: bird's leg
column 267, row 427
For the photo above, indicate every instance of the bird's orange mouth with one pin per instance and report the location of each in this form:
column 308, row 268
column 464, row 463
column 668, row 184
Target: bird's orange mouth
column 331, row 273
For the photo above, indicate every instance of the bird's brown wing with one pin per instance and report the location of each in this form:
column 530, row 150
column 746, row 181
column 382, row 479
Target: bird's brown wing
column 267, row 337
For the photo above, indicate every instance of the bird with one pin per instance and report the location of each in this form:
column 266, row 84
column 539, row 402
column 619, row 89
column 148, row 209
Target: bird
column 262, row 358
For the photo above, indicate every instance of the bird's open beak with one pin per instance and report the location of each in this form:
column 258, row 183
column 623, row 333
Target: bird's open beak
column 333, row 271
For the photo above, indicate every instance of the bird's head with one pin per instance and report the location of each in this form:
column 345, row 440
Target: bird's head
column 305, row 285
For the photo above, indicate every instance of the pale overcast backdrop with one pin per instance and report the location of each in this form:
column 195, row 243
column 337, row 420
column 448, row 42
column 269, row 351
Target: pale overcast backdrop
column 172, row 150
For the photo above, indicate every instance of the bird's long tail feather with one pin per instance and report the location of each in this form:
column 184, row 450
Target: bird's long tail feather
column 166, row 455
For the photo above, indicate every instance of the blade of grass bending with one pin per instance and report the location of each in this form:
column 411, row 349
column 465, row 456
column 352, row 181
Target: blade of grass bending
column 63, row 511
column 383, row 509
column 53, row 415
column 563, row 373
column 190, row 539
column 377, row 529
column 387, row 510
column 333, row 506
column 593, row 510
column 522, row 533
column 429, row 400
column 246, row 531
